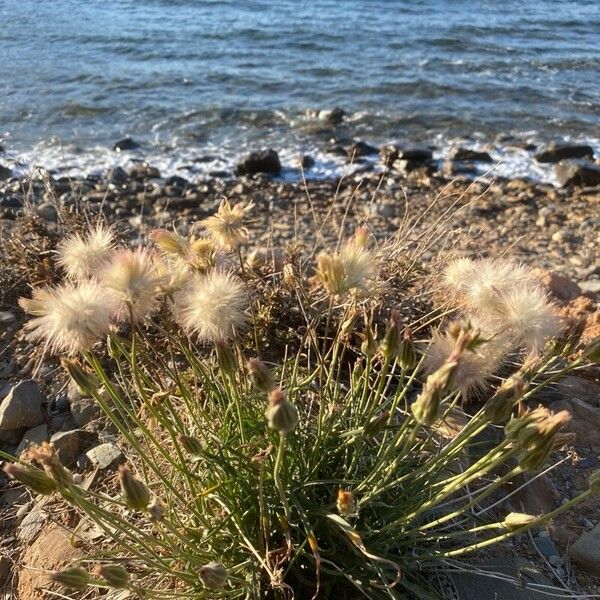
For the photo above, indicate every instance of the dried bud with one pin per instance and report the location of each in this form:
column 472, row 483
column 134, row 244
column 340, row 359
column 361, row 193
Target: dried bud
column 86, row 381
column 515, row 520
column 213, row 575
column 226, row 358
column 426, row 408
column 190, row 444
column 499, row 407
column 35, row 479
column 281, row 414
column 536, row 434
column 74, row 578
column 260, row 374
column 45, row 455
column 135, row 493
column 391, row 345
column 115, row 576
column 169, row 242
column 345, row 503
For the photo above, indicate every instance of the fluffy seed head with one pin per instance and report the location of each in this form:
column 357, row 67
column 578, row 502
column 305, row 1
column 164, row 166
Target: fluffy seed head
column 507, row 298
column 70, row 317
column 474, row 367
column 211, row 306
column 82, row 256
column 226, row 226
column 528, row 314
column 132, row 278
column 354, row 267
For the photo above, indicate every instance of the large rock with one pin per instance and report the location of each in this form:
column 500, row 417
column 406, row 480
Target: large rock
column 5, row 172
column 263, row 161
column 466, row 154
column 125, row 144
column 585, row 552
column 22, row 407
column 579, row 173
column 144, row 171
column 335, row 116
column 557, row 152
column 359, row 149
column 70, row 444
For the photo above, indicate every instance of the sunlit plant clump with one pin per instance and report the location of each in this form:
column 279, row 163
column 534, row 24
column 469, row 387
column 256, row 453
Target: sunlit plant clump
column 310, row 468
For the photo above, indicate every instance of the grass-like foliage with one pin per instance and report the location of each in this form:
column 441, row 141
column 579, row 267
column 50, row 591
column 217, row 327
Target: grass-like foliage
column 281, row 423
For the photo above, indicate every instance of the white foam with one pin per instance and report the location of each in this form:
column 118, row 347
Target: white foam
column 173, row 158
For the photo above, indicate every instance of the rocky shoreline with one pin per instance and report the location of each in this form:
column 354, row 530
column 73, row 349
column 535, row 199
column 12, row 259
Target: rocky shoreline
column 552, row 228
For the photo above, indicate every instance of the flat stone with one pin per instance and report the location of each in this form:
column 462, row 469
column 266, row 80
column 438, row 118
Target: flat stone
column 70, row 444
column 545, row 545
column 33, row 523
column 105, row 455
column 34, row 436
column 585, row 552
column 22, row 407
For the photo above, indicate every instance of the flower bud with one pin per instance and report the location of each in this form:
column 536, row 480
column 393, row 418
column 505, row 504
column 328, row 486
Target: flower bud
column 426, row 408
column 213, row 575
column 74, row 578
column 515, row 520
column 35, row 479
column 345, row 503
column 408, row 354
column 260, row 374
column 135, row 493
column 391, row 343
column 190, row 444
column 282, row 415
column 500, row 406
column 115, row 575
column 87, row 382
column 226, row 358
